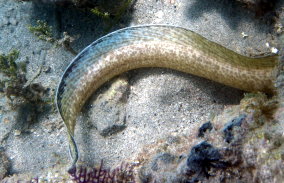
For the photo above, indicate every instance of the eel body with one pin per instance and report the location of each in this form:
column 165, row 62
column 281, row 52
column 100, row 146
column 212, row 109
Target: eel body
column 155, row 46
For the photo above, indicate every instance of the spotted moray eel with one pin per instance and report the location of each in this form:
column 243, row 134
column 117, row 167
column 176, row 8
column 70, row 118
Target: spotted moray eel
column 155, row 46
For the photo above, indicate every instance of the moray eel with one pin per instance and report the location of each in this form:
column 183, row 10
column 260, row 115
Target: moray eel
column 155, row 46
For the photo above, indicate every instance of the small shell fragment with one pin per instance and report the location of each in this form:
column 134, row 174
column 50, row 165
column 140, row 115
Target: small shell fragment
column 17, row 132
column 244, row 35
column 274, row 50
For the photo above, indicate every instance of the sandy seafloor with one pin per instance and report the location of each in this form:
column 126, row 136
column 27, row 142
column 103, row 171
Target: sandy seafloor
column 160, row 101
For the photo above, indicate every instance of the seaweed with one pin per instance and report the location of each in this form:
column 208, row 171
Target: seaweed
column 122, row 174
column 110, row 11
column 202, row 158
column 109, row 8
column 42, row 30
column 14, row 72
column 100, row 13
column 8, row 65
column 123, row 8
column 14, row 83
column 261, row 104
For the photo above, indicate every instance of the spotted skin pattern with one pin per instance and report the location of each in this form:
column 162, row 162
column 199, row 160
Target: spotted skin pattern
column 155, row 46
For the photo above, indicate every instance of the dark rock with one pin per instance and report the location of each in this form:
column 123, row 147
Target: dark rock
column 202, row 158
column 53, row 1
column 162, row 158
column 4, row 164
column 228, row 129
column 113, row 120
column 173, row 139
column 160, row 168
column 205, row 127
column 145, row 175
column 108, row 109
column 260, row 7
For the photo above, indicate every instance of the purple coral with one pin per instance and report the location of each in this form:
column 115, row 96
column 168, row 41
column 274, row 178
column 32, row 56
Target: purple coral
column 122, row 174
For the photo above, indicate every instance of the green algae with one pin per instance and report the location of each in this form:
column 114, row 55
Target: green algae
column 14, row 73
column 42, row 30
column 8, row 64
column 99, row 13
column 14, row 81
column 111, row 12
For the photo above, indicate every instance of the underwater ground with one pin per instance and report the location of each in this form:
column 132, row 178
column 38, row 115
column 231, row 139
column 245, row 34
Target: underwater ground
column 156, row 125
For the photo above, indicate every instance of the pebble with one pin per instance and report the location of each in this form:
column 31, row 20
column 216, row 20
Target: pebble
column 159, row 16
column 274, row 50
column 5, row 21
column 6, row 120
column 244, row 35
column 110, row 108
column 46, row 69
column 17, row 132
column 13, row 21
